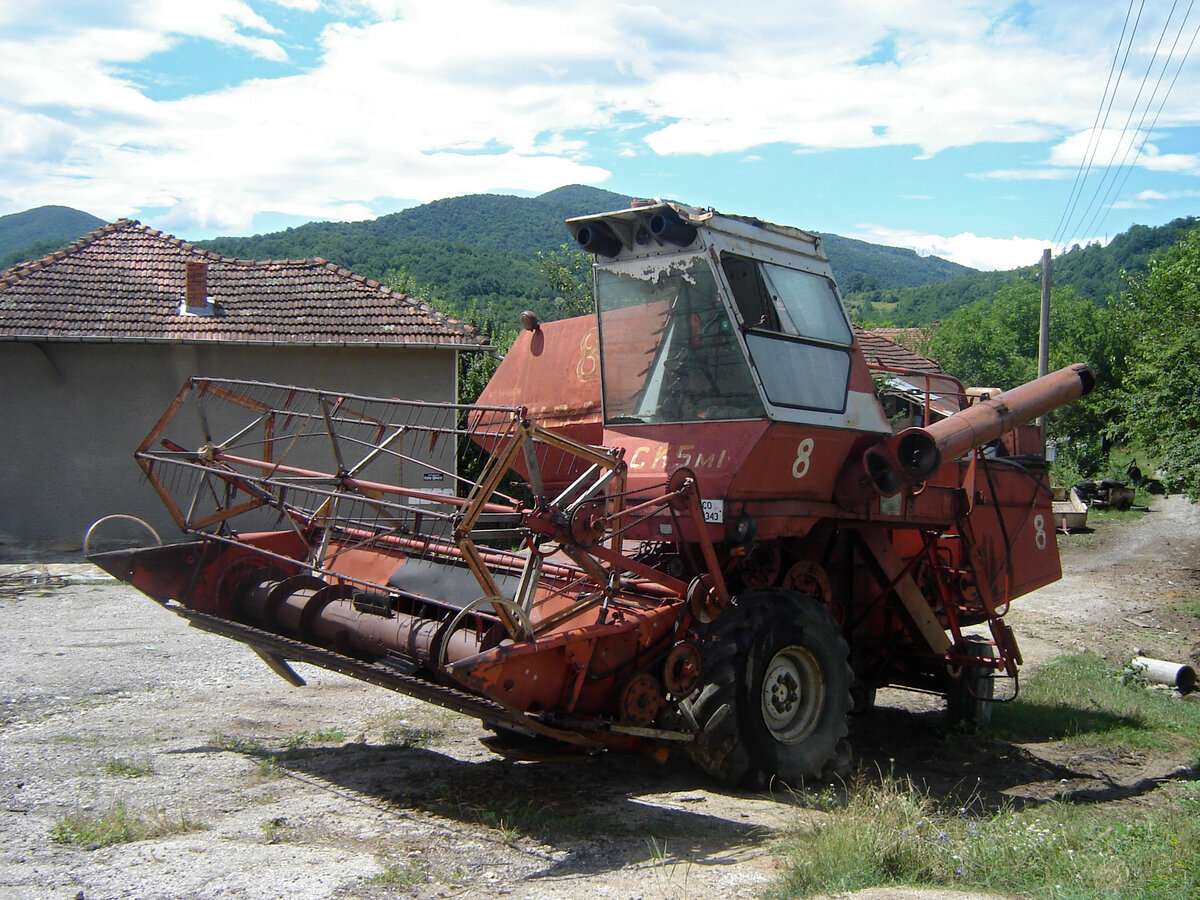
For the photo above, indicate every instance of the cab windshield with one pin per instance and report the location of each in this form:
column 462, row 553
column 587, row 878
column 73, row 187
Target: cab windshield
column 669, row 350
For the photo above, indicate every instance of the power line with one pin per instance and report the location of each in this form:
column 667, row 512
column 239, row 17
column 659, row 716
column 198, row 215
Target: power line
column 1071, row 199
column 1109, row 178
column 1089, row 153
column 1149, row 131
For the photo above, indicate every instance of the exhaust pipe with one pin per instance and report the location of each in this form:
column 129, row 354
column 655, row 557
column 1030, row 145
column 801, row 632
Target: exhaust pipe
column 598, row 238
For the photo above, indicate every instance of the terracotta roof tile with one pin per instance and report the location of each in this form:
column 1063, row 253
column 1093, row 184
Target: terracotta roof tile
column 878, row 345
column 125, row 282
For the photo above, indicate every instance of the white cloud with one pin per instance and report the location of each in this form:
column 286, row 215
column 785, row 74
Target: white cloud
column 1148, row 199
column 423, row 100
column 1113, row 148
column 966, row 249
column 1027, row 174
column 303, row 5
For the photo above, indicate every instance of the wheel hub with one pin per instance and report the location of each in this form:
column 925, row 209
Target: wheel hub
column 793, row 694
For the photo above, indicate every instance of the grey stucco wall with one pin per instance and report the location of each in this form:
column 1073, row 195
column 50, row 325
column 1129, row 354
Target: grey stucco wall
column 73, row 414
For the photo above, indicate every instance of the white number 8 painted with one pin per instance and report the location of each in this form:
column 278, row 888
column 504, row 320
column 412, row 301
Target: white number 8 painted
column 803, row 458
column 1039, row 531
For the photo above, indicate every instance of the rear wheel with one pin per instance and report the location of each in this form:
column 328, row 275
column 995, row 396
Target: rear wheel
column 969, row 700
column 775, row 693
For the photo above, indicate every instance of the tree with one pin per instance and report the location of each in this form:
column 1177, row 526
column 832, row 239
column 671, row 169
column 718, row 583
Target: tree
column 994, row 343
column 568, row 271
column 1161, row 398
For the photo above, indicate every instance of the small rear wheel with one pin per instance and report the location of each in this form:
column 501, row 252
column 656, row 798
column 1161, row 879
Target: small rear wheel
column 775, row 692
column 969, row 699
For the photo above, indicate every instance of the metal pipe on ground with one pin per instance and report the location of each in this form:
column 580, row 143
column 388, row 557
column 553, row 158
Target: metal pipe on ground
column 1177, row 675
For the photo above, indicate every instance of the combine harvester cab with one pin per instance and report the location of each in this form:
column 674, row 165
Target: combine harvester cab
column 684, row 522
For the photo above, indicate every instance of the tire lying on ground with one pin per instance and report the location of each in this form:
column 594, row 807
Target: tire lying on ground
column 774, row 693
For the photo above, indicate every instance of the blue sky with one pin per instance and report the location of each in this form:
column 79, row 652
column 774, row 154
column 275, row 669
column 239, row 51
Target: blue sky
column 957, row 128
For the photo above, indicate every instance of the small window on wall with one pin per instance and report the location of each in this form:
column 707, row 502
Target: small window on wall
column 796, row 333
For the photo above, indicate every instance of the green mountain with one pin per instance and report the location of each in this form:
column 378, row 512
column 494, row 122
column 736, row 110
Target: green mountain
column 1093, row 271
column 35, row 232
column 477, row 254
column 859, row 265
column 498, row 222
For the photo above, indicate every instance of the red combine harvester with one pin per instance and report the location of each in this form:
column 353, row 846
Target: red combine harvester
column 689, row 523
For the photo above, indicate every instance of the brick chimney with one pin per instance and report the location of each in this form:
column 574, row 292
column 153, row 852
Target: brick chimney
column 197, row 286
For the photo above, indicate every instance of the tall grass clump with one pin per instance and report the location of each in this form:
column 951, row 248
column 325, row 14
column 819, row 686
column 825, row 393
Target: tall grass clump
column 890, row 834
column 118, row 825
column 886, row 832
column 1079, row 699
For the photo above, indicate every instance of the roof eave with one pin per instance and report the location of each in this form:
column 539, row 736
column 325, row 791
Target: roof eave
column 101, row 339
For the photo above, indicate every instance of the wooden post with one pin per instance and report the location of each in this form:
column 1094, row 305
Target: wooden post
column 1044, row 335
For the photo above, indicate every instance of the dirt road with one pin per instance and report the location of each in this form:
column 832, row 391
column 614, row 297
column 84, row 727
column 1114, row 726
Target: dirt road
column 111, row 700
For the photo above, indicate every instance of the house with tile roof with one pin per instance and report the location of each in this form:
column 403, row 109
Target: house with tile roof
column 881, row 347
column 908, row 381
column 97, row 339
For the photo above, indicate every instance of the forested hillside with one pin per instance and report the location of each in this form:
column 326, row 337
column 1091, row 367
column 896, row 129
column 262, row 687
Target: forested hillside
column 861, row 266
column 522, row 225
column 478, row 255
column 35, row 232
column 475, row 256
column 1093, row 271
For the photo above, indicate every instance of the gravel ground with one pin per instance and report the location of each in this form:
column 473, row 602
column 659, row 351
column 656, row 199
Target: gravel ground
column 342, row 790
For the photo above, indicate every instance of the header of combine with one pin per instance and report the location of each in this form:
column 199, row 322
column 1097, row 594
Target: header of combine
column 688, row 522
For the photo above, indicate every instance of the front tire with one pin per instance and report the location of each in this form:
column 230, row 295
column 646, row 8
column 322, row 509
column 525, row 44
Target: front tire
column 775, row 694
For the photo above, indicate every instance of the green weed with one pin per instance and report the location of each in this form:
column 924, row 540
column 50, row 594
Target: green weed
column 511, row 817
column 1080, row 700
column 892, row 834
column 402, row 873
column 244, row 746
column 405, row 734
column 118, row 825
column 126, row 768
column 275, row 831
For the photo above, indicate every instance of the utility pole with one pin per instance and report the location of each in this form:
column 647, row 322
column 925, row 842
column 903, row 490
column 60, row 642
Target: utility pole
column 1044, row 334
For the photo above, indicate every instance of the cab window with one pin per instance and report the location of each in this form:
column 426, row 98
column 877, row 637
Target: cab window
column 796, row 332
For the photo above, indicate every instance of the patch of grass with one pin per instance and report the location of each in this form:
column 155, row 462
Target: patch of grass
column 275, row 831
column 297, row 741
column 1192, row 608
column 330, row 735
column 474, row 800
column 244, row 746
column 401, row 873
column 1097, row 514
column 395, row 728
column 406, row 735
column 126, row 768
column 1079, row 699
column 70, row 739
column 671, row 874
column 118, row 825
column 892, row 834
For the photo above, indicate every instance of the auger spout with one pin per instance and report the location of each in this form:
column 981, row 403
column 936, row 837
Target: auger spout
column 918, row 452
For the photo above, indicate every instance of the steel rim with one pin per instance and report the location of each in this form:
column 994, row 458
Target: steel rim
column 793, row 694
